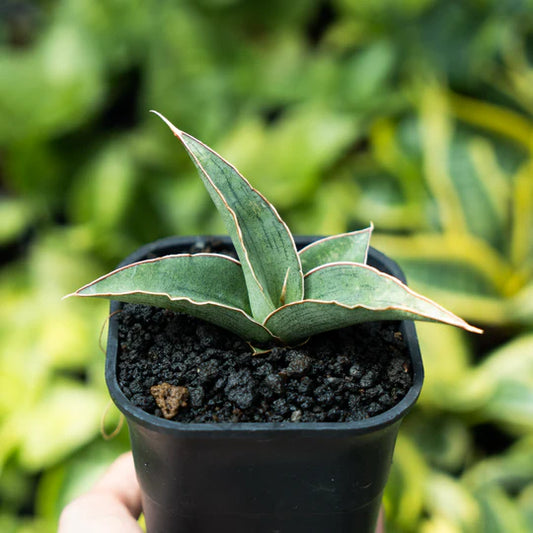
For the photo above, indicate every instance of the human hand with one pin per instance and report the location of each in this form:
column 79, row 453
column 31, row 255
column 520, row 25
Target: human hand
column 114, row 504
column 111, row 506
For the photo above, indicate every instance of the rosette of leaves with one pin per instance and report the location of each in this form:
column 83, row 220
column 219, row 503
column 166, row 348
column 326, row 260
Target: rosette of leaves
column 273, row 292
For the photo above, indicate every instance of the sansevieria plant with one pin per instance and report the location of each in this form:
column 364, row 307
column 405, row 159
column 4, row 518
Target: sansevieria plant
column 274, row 292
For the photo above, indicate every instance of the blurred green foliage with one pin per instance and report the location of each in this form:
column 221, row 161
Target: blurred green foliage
column 415, row 114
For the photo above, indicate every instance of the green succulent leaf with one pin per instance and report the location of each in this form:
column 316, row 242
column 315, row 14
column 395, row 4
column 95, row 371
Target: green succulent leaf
column 207, row 286
column 266, row 296
column 263, row 242
column 342, row 294
column 352, row 247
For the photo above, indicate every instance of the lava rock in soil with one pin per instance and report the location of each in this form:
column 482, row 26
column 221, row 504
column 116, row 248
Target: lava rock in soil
column 339, row 376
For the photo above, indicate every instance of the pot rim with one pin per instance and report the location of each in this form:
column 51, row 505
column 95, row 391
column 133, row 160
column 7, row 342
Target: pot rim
column 244, row 429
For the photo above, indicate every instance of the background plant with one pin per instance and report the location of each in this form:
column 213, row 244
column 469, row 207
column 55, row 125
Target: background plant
column 413, row 114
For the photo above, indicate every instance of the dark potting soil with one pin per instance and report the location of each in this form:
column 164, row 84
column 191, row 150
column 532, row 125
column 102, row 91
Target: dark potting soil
column 345, row 375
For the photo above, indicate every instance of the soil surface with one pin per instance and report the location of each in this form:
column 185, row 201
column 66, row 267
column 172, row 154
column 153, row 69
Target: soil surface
column 346, row 375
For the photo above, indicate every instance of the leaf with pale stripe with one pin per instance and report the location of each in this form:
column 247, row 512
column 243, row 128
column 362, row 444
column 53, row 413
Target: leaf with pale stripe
column 351, row 247
column 207, row 286
column 263, row 242
column 339, row 295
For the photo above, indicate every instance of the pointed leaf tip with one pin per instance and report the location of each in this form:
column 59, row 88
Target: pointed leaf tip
column 177, row 132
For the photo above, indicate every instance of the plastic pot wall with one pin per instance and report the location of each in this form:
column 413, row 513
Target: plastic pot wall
column 249, row 477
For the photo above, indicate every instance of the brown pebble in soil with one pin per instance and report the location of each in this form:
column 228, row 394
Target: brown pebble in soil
column 169, row 398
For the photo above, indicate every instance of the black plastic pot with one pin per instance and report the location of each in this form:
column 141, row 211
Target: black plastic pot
column 249, row 477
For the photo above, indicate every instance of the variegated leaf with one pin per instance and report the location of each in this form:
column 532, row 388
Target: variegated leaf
column 351, row 247
column 207, row 286
column 263, row 242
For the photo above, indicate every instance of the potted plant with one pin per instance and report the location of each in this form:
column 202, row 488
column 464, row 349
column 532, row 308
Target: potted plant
column 247, row 464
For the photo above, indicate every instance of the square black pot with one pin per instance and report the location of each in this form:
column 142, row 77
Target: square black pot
column 288, row 477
